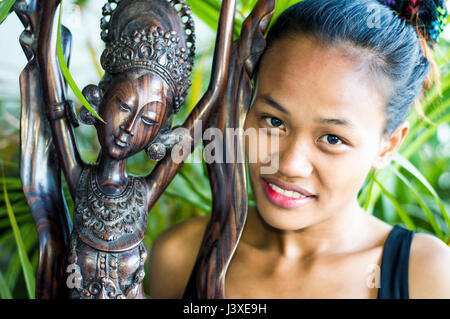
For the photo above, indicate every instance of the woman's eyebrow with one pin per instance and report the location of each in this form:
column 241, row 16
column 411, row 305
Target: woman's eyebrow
column 270, row 101
column 331, row 121
column 334, row 121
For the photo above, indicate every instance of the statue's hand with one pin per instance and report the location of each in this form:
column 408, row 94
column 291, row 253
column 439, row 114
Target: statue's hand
column 251, row 43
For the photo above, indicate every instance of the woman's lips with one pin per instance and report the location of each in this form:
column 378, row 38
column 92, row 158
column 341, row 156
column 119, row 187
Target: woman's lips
column 286, row 196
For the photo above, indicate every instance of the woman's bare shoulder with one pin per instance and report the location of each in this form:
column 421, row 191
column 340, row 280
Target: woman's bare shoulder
column 429, row 275
column 172, row 258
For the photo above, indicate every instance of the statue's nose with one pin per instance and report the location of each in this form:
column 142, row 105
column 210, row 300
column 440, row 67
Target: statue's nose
column 129, row 127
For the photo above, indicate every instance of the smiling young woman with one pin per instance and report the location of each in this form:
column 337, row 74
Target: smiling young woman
column 335, row 93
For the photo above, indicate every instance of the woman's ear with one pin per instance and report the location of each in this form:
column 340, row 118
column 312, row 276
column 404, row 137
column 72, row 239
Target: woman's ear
column 389, row 146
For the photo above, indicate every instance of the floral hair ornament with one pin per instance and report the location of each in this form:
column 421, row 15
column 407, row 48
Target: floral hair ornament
column 428, row 16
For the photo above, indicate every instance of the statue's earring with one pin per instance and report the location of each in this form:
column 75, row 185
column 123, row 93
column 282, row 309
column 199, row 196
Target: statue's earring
column 165, row 141
column 93, row 95
column 156, row 151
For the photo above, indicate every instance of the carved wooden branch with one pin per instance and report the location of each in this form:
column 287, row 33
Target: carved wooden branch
column 54, row 93
column 39, row 165
column 228, row 180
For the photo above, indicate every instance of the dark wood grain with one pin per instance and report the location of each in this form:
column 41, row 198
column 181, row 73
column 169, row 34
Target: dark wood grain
column 39, row 165
column 228, row 180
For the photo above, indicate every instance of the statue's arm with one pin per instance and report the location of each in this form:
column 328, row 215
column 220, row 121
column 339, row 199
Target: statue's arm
column 220, row 69
column 55, row 97
column 166, row 169
column 227, row 178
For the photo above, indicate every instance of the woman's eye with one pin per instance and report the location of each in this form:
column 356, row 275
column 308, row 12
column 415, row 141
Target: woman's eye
column 274, row 122
column 331, row 139
column 124, row 107
column 148, row 121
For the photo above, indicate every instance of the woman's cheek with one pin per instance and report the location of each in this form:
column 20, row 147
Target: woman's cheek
column 345, row 175
column 261, row 145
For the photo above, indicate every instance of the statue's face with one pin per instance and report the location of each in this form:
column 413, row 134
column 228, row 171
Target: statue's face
column 135, row 108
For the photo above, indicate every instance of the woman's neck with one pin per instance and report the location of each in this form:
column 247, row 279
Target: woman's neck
column 111, row 174
column 340, row 233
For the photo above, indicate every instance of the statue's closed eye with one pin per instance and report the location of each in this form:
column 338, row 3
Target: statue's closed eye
column 124, row 107
column 149, row 118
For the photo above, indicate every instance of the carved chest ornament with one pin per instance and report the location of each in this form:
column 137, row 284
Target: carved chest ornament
column 108, row 261
column 110, row 223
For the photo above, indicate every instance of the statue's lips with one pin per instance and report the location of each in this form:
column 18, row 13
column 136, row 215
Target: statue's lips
column 120, row 143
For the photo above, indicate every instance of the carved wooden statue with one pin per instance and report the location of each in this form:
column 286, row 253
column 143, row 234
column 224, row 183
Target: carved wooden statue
column 148, row 57
column 149, row 53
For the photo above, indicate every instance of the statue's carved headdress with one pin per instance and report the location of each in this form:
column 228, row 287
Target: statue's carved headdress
column 157, row 35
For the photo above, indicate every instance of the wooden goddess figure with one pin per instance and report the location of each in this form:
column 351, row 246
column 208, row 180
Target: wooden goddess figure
column 148, row 57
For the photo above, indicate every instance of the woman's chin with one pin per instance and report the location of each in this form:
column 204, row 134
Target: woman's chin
column 286, row 219
column 273, row 220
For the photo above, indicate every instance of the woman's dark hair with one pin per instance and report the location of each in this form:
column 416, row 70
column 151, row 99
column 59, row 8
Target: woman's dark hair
column 386, row 45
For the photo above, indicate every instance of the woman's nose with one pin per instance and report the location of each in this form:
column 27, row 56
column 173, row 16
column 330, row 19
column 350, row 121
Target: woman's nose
column 295, row 161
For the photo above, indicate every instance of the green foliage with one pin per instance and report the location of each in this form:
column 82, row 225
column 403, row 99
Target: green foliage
column 66, row 73
column 5, row 293
column 208, row 11
column 24, row 261
column 5, row 9
column 413, row 191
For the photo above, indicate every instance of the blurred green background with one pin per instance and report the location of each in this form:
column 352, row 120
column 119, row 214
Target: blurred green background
column 414, row 191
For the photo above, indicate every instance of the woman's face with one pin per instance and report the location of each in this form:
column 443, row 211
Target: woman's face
column 135, row 107
column 329, row 120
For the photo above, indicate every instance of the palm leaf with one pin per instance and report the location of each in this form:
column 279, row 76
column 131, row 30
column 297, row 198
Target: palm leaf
column 66, row 73
column 398, row 207
column 25, row 262
column 5, row 9
column 369, row 195
column 408, row 166
column 420, row 201
column 5, row 293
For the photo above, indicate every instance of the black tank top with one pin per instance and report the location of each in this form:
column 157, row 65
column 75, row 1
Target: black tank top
column 394, row 264
column 393, row 272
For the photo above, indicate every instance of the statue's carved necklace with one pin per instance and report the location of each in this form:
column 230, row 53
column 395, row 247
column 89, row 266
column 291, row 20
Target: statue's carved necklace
column 110, row 222
column 111, row 229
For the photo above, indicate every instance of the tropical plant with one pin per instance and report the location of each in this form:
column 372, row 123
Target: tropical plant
column 413, row 191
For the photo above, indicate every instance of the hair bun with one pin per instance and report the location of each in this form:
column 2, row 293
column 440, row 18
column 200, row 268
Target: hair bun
column 429, row 16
